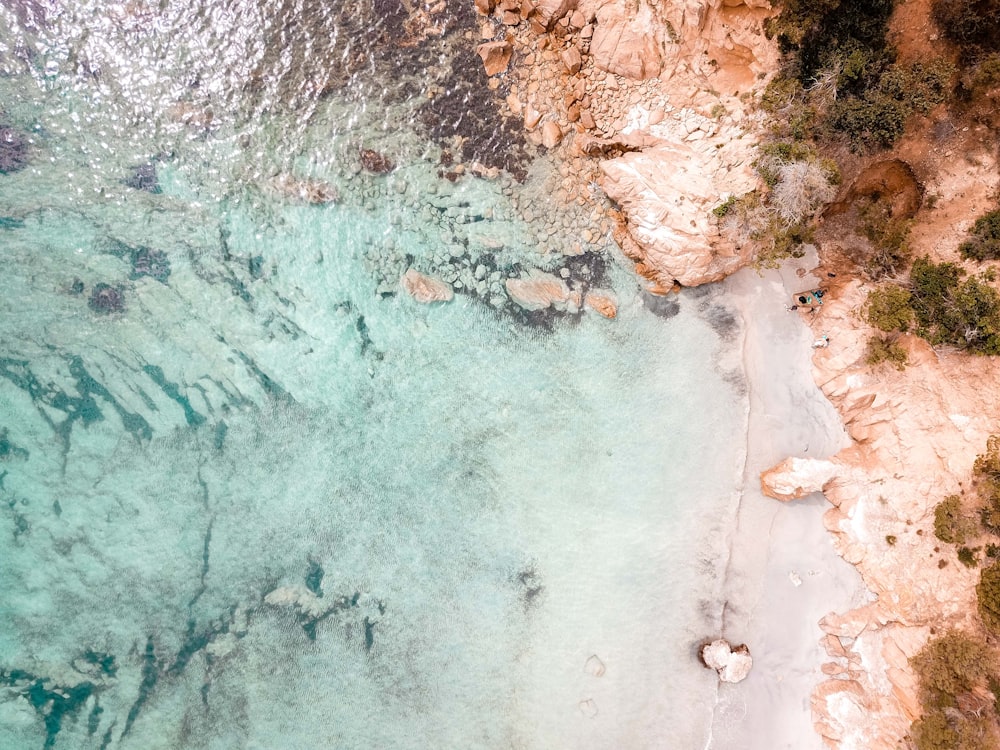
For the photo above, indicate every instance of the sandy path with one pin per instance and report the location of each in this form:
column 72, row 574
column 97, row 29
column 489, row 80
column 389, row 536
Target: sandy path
column 783, row 573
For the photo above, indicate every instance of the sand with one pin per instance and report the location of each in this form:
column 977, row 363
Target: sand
column 783, row 573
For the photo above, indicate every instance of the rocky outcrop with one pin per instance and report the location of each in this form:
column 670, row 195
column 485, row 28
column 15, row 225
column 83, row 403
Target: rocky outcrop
column 538, row 291
column 668, row 223
column 794, row 478
column 634, row 85
column 426, row 289
column 916, row 434
column 732, row 664
column 602, row 302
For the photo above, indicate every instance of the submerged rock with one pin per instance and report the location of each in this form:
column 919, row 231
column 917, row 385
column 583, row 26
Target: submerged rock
column 14, row 150
column 149, row 262
column 312, row 191
column 602, row 302
column 144, row 178
column 425, row 288
column 538, row 291
column 373, row 161
column 732, row 664
column 106, row 299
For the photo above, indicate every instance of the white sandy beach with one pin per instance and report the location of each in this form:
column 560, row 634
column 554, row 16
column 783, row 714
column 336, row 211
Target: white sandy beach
column 783, row 574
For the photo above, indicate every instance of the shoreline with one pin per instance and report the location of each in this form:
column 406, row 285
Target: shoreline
column 777, row 592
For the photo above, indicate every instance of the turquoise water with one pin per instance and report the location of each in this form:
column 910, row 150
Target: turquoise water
column 251, row 495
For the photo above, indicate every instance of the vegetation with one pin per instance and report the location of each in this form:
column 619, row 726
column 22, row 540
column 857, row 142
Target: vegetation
column 779, row 220
column 973, row 24
column 886, row 350
column 955, row 671
column 875, row 118
column 889, row 308
column 988, row 597
column 950, row 311
column 951, row 525
column 889, row 237
column 967, row 557
column 984, row 240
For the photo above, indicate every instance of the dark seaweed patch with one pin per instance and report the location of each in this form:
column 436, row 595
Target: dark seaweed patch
column 14, row 150
column 81, row 408
column 314, row 578
column 193, row 418
column 149, row 262
column 106, row 299
column 662, row 306
column 150, row 675
column 53, row 704
column 723, row 321
column 143, row 177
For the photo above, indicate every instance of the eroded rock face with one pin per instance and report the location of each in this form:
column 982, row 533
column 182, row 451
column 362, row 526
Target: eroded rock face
column 667, row 194
column 627, row 43
column 426, row 289
column 732, row 664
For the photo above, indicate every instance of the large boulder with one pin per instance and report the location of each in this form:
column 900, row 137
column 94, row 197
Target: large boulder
column 425, row 289
column 667, row 194
column 548, row 12
column 797, row 477
column 732, row 664
column 539, row 290
column 495, row 56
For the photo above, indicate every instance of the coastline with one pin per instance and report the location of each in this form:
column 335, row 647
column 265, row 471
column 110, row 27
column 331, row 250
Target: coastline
column 783, row 574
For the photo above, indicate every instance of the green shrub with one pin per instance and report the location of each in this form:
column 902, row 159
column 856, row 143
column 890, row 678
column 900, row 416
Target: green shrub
column 988, row 597
column 967, row 557
column 876, row 116
column 984, row 242
column 885, row 350
column 888, row 308
column 889, row 237
column 951, row 665
column 965, row 314
column 933, row 732
column 951, row 524
column 971, row 23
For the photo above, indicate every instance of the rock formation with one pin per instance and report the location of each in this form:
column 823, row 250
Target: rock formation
column 538, row 290
column 916, row 434
column 732, row 664
column 631, row 87
column 426, row 288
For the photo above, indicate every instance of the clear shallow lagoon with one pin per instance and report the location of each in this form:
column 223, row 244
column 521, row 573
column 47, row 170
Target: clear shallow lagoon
column 273, row 503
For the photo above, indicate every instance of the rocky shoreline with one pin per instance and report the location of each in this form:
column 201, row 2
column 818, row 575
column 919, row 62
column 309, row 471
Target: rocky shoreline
column 665, row 124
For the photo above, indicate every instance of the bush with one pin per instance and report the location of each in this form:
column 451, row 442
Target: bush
column 885, row 350
column 876, row 115
column 988, row 597
column 967, row 557
column 889, row 237
column 984, row 243
column 965, row 314
column 971, row 23
column 951, row 665
column 933, row 732
column 888, row 308
column 951, row 525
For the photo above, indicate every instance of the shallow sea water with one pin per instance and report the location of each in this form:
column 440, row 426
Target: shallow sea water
column 273, row 503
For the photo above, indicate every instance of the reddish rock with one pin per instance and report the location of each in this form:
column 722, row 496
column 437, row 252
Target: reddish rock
column 572, row 59
column 603, row 303
column 495, row 56
column 425, row 288
column 373, row 161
